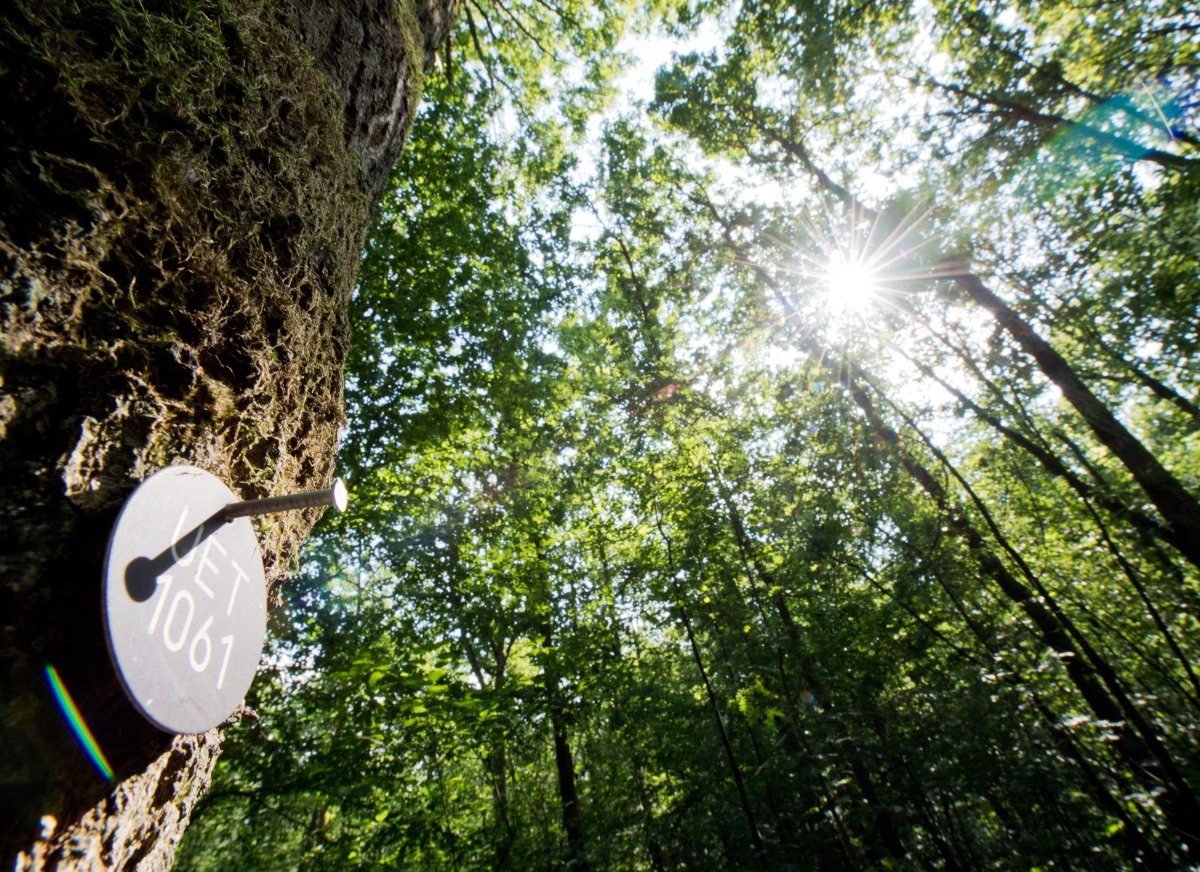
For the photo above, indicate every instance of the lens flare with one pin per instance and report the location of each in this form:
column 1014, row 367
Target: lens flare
column 78, row 726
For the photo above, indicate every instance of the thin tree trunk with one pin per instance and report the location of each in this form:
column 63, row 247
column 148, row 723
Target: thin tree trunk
column 1053, row 72
column 1179, row 508
column 761, row 763
column 884, row 833
column 1048, row 125
column 1053, row 465
column 1165, row 392
column 1087, row 332
column 564, row 762
column 564, row 767
column 1158, row 770
column 735, row 769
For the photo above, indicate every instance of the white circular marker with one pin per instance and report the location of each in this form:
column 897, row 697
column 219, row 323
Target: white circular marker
column 185, row 600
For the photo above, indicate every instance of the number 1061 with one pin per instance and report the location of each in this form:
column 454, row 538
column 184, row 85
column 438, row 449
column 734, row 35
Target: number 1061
column 177, row 628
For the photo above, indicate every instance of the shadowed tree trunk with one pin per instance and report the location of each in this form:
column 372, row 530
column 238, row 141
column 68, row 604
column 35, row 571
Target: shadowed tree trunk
column 183, row 197
column 564, row 761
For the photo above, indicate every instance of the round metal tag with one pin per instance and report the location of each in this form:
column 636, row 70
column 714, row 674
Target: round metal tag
column 185, row 608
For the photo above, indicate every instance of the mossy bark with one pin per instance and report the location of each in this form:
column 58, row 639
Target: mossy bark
column 183, row 194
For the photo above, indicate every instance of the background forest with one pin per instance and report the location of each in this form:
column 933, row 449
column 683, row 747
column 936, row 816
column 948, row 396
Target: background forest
column 793, row 464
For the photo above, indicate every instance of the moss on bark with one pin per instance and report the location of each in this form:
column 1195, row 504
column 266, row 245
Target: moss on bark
column 184, row 193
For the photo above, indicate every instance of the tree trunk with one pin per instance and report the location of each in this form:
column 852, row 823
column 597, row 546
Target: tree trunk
column 564, row 766
column 564, row 761
column 1048, row 125
column 184, row 195
column 884, row 835
column 1177, row 506
column 735, row 769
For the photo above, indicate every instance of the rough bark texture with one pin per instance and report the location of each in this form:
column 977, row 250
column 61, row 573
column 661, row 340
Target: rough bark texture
column 183, row 193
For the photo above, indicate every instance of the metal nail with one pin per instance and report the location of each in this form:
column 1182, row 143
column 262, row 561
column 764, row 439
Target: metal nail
column 335, row 497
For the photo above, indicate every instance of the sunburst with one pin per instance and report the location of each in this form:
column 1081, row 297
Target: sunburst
column 851, row 267
column 849, row 285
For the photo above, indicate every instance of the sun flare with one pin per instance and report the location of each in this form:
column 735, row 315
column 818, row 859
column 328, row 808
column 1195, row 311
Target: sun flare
column 850, row 286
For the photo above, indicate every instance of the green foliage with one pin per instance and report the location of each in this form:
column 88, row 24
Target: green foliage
column 661, row 559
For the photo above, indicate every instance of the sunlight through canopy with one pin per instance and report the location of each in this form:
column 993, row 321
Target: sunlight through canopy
column 849, row 285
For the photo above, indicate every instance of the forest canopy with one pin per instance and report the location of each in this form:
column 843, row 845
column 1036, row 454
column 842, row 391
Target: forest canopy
column 795, row 468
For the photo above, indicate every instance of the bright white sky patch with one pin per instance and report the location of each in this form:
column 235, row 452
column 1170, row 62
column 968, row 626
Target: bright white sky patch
column 654, row 51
